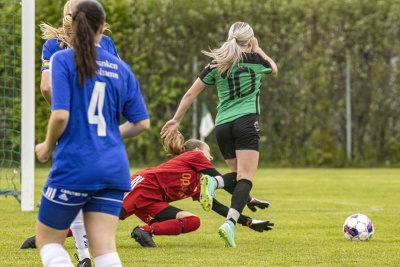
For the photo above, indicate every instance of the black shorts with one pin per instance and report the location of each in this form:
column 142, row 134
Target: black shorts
column 240, row 134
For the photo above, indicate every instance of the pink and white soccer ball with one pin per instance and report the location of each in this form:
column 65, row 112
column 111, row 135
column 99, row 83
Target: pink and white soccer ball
column 358, row 227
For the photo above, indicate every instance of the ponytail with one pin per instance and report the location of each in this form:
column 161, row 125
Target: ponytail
column 88, row 17
column 230, row 53
column 175, row 144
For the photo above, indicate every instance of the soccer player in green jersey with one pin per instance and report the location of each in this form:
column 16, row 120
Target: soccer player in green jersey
column 236, row 69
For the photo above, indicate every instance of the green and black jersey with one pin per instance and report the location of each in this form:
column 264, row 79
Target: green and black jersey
column 239, row 92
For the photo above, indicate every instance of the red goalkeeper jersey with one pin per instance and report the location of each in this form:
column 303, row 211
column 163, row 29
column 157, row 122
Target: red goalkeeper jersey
column 178, row 178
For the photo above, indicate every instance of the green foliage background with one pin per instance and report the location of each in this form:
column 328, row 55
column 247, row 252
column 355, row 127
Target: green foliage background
column 303, row 108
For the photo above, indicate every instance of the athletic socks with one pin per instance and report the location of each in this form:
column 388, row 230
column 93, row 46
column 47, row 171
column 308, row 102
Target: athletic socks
column 54, row 254
column 79, row 233
column 239, row 199
column 108, row 260
column 173, row 226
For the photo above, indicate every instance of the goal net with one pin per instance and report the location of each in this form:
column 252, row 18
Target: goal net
column 16, row 100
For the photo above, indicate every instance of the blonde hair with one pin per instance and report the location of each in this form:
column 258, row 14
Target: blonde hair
column 175, row 144
column 229, row 54
column 64, row 33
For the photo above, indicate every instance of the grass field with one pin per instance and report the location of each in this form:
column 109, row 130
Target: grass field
column 308, row 207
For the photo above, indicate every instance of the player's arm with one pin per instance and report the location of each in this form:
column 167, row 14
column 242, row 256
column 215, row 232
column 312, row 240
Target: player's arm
column 256, row 225
column 257, row 49
column 131, row 129
column 57, row 123
column 45, row 86
column 187, row 100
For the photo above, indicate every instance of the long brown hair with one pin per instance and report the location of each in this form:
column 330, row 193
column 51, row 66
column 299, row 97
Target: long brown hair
column 88, row 17
column 175, row 144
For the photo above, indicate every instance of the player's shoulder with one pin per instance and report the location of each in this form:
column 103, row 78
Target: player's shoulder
column 106, row 38
column 105, row 57
column 63, row 55
column 53, row 44
column 253, row 58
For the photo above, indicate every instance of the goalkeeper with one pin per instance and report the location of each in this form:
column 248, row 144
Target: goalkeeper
column 154, row 188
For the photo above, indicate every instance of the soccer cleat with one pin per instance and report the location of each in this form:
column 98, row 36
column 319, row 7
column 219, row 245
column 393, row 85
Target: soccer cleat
column 207, row 192
column 254, row 202
column 143, row 238
column 30, row 242
column 226, row 231
column 83, row 263
column 259, row 225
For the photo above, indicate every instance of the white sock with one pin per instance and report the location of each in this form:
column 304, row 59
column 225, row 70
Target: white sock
column 54, row 254
column 220, row 181
column 108, row 260
column 79, row 233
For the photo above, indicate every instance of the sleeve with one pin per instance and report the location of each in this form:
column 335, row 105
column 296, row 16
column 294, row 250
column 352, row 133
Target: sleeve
column 222, row 210
column 61, row 88
column 211, row 172
column 47, row 52
column 134, row 107
column 265, row 65
column 206, row 76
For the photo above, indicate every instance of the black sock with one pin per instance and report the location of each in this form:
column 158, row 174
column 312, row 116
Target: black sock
column 241, row 195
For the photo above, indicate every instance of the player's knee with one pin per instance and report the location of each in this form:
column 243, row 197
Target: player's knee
column 190, row 224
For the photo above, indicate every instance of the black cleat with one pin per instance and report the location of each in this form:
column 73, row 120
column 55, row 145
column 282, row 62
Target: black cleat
column 30, row 242
column 143, row 238
column 83, row 263
column 254, row 202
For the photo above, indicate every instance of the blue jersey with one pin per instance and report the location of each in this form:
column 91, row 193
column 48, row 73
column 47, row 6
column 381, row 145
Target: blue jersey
column 53, row 45
column 90, row 153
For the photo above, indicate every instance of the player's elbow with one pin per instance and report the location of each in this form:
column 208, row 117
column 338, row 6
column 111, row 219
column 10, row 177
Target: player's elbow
column 144, row 125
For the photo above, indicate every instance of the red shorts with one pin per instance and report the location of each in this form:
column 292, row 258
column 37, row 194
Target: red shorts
column 144, row 202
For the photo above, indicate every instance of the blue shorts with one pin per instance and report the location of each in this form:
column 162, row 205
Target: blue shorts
column 59, row 207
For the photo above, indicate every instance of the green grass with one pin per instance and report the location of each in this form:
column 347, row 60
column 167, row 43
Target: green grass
column 308, row 207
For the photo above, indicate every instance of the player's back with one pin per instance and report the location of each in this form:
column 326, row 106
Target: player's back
column 91, row 146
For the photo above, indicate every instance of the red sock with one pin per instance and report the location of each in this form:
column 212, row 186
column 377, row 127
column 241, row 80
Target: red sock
column 174, row 226
column 69, row 233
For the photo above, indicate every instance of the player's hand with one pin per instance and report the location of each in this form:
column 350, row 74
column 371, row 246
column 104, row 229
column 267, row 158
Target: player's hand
column 254, row 44
column 43, row 152
column 260, row 226
column 169, row 128
column 257, row 203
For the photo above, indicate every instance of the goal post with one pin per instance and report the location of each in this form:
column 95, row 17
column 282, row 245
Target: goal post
column 28, row 105
column 17, row 100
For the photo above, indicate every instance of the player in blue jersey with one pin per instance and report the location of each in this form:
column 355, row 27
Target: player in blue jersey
column 61, row 38
column 58, row 39
column 236, row 70
column 91, row 89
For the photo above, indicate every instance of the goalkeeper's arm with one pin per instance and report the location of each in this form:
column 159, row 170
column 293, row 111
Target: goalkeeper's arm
column 256, row 225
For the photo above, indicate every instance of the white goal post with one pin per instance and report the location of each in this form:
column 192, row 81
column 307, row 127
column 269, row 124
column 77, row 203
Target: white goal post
column 28, row 105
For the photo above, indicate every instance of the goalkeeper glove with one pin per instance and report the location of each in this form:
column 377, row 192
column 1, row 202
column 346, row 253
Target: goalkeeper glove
column 254, row 202
column 259, row 225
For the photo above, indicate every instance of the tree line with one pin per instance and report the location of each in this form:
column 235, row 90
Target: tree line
column 303, row 109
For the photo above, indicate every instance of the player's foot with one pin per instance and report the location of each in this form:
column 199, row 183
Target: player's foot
column 207, row 192
column 83, row 263
column 226, row 231
column 144, row 238
column 254, row 202
column 30, row 242
column 259, row 225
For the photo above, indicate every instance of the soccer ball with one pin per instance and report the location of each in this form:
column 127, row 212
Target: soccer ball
column 358, row 227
